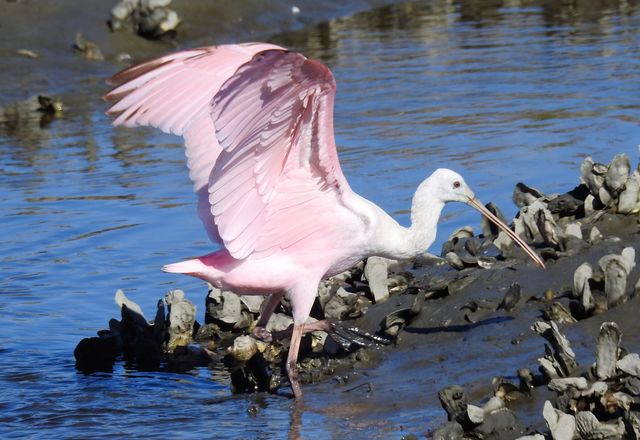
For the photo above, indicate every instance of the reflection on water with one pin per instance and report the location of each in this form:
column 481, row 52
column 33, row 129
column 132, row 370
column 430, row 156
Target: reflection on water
column 502, row 91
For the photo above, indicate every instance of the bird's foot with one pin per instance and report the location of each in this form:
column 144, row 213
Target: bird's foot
column 349, row 336
column 262, row 334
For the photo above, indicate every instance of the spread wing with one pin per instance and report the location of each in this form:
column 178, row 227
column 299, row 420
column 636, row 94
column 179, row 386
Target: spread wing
column 277, row 180
column 174, row 93
column 258, row 128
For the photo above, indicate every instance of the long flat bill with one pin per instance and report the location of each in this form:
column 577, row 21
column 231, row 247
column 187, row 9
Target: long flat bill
column 488, row 214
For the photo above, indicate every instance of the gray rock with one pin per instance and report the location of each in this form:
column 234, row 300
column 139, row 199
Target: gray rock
column 147, row 18
column 589, row 205
column 343, row 304
column 551, row 233
column 598, row 388
column 122, row 300
column 463, row 232
column 561, row 357
column 617, row 174
column 605, row 197
column 252, row 303
column 279, row 322
column 590, row 428
column 502, row 422
column 475, row 414
column 608, row 346
column 182, row 314
column 615, row 272
column 595, row 235
column 243, row 348
column 629, row 197
column 561, row 425
column 375, row 271
column 495, row 403
column 581, row 280
column 629, row 364
column 226, row 310
column 565, row 383
column 574, row 230
column 449, row 431
column 592, row 174
column 524, row 195
column 454, row 260
column 454, row 401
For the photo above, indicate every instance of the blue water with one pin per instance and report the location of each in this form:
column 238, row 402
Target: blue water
column 500, row 94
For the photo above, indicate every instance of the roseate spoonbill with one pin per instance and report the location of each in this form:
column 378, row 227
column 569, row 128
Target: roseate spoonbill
column 257, row 123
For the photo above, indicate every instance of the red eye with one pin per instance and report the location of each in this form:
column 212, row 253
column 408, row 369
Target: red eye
column 456, row 184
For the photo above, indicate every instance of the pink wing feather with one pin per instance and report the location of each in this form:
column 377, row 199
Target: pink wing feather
column 258, row 128
column 173, row 93
column 278, row 176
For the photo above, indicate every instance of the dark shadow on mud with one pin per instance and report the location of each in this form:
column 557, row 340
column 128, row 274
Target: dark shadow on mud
column 458, row 328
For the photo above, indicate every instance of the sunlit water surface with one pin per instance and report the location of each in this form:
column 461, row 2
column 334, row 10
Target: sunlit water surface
column 501, row 93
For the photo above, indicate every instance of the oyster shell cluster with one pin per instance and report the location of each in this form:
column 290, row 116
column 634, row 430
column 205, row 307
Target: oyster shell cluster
column 599, row 403
column 151, row 19
column 558, row 224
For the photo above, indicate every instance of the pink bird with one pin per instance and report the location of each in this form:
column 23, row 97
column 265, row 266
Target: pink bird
column 257, row 123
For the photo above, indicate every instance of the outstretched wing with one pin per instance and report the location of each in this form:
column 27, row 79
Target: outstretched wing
column 174, row 93
column 277, row 180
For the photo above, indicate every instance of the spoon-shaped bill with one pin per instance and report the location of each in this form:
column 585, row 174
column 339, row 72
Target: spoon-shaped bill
column 484, row 211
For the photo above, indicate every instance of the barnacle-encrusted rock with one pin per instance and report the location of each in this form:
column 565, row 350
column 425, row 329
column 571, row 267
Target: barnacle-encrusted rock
column 182, row 314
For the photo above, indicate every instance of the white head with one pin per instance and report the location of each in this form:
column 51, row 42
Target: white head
column 448, row 186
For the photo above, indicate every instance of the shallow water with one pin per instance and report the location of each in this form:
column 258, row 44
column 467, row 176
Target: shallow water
column 500, row 91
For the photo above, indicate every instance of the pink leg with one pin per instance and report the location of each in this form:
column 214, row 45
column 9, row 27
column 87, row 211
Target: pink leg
column 292, row 358
column 260, row 332
column 301, row 301
column 323, row 325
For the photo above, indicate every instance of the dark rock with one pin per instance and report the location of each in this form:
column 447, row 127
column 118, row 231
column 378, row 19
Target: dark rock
column 570, row 203
column 524, row 195
column 97, row 353
column 559, row 360
column 398, row 319
column 512, row 299
column 454, row 401
column 88, row 49
column 500, row 424
column 489, row 229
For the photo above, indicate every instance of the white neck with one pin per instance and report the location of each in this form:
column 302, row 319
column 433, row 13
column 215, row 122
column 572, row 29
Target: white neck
column 402, row 243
